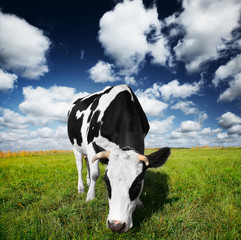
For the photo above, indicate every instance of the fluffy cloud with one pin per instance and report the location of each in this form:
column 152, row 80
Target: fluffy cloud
column 225, row 138
column 231, row 125
column 228, row 120
column 189, row 126
column 7, row 80
column 103, row 72
column 149, row 102
column 151, row 106
column 129, row 32
column 231, row 68
column 172, row 89
column 12, row 120
column 231, row 73
column 161, row 127
column 209, row 131
column 190, row 133
column 187, row 107
column 51, row 104
column 23, row 47
column 41, row 107
column 206, row 23
column 236, row 129
column 234, row 90
column 175, row 90
column 42, row 139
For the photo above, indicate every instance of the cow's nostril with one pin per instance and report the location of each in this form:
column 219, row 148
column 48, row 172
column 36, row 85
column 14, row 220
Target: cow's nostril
column 116, row 226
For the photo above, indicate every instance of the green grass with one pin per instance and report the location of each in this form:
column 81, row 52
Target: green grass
column 195, row 195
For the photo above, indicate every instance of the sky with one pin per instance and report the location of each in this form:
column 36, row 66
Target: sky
column 182, row 59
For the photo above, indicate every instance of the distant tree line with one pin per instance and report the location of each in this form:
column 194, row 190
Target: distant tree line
column 23, row 153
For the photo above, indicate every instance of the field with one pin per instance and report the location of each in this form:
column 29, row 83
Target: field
column 195, row 195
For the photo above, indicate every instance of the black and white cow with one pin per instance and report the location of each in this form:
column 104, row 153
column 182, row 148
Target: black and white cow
column 111, row 125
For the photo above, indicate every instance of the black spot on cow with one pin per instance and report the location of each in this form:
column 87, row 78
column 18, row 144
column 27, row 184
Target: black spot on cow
column 98, row 149
column 107, row 182
column 94, row 127
column 123, row 122
column 74, row 129
column 135, row 188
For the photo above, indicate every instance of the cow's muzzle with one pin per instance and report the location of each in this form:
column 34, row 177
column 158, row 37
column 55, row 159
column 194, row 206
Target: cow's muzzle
column 116, row 226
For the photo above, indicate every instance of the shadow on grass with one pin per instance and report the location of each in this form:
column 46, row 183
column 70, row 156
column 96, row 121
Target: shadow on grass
column 154, row 197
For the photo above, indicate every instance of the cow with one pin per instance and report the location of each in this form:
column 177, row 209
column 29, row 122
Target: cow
column 110, row 126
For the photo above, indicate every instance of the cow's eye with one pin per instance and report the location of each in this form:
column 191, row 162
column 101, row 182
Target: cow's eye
column 107, row 181
column 136, row 187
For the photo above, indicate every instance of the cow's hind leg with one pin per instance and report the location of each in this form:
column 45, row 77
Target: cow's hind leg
column 88, row 171
column 79, row 164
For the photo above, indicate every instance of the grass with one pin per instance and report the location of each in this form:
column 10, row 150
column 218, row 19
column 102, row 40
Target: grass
column 195, row 195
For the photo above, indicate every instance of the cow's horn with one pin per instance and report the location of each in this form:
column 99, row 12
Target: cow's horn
column 104, row 154
column 144, row 159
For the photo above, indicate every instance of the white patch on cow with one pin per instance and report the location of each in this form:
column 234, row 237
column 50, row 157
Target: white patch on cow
column 122, row 170
column 78, row 114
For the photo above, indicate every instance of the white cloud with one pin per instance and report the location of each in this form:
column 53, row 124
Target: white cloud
column 45, row 132
column 129, row 32
column 188, row 135
column 231, row 73
column 175, row 90
column 232, row 126
column 187, row 107
column 151, row 106
column 172, row 89
column 23, row 47
column 206, row 23
column 160, row 51
column 202, row 116
column 130, row 80
column 209, row 131
column 12, row 120
column 161, row 127
column 190, row 126
column 51, row 104
column 236, row 129
column 41, row 139
column 228, row 120
column 7, row 80
column 234, row 90
column 231, row 68
column 149, row 103
column 103, row 72
column 222, row 136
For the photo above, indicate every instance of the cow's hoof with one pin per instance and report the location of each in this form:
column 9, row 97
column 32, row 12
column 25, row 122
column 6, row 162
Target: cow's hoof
column 81, row 190
column 89, row 198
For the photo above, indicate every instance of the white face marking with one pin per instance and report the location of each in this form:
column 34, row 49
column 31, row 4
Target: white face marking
column 122, row 170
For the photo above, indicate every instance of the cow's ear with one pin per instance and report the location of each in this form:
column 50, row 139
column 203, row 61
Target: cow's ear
column 158, row 158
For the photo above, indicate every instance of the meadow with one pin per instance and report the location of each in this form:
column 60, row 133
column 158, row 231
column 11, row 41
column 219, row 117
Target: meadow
column 195, row 195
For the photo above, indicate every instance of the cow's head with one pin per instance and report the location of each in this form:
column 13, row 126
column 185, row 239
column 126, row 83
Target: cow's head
column 124, row 178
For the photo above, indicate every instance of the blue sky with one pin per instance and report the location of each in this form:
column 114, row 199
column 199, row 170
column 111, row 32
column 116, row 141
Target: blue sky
column 182, row 59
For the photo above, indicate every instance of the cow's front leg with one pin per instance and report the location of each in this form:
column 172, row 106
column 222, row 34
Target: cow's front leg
column 79, row 164
column 94, row 175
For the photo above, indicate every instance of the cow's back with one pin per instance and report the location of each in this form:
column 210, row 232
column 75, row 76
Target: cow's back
column 114, row 114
